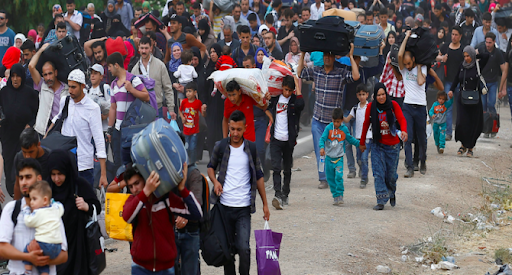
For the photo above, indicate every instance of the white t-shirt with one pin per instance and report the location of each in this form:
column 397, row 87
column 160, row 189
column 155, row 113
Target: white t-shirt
column 281, row 126
column 236, row 191
column 359, row 115
column 103, row 100
column 414, row 93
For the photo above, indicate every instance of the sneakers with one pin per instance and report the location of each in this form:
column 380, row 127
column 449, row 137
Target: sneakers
column 416, row 167
column 448, row 137
column 423, row 168
column 409, row 173
column 351, row 174
column 323, row 184
column 392, row 201
column 277, row 203
column 441, row 151
column 338, row 201
column 378, row 207
column 285, row 201
column 363, row 183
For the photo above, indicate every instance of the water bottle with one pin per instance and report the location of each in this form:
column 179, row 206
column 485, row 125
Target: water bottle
column 399, row 134
column 321, row 165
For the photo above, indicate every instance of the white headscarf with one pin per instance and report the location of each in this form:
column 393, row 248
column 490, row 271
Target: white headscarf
column 20, row 36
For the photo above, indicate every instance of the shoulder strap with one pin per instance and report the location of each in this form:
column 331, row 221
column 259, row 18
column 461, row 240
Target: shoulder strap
column 167, row 207
column 65, row 109
column 16, row 212
column 480, row 74
column 102, row 88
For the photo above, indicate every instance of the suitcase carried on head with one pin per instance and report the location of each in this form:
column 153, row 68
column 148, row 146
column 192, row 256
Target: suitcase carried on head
column 422, row 45
column 491, row 123
column 66, row 54
column 367, row 39
column 159, row 148
column 327, row 34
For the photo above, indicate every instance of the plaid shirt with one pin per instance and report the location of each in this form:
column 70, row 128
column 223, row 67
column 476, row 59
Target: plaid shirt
column 254, row 168
column 328, row 89
column 395, row 88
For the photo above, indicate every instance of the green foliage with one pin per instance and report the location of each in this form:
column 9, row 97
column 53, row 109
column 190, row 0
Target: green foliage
column 27, row 14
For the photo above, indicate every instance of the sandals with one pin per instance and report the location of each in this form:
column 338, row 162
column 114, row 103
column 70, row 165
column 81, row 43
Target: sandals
column 470, row 153
column 462, row 150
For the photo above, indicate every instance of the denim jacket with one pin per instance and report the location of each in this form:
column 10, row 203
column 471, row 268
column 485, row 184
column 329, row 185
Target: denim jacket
column 220, row 160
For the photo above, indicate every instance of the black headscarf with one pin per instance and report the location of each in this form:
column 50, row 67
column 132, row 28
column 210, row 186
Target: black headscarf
column 74, row 220
column 376, row 108
column 203, row 25
column 20, row 71
column 387, row 48
column 117, row 28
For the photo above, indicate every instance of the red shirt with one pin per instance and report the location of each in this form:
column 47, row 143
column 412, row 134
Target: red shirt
column 246, row 106
column 385, row 134
column 191, row 111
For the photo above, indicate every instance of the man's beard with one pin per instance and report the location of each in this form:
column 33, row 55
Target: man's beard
column 2, row 25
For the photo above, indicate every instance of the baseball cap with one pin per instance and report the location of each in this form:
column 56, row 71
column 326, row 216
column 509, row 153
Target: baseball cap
column 98, row 68
column 77, row 75
column 176, row 18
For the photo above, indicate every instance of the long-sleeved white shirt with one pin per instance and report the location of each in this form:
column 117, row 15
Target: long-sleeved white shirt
column 84, row 123
column 316, row 13
column 185, row 73
column 46, row 221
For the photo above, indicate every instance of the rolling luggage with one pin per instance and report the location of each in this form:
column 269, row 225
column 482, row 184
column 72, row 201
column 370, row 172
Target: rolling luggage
column 367, row 40
column 491, row 123
column 159, row 148
column 66, row 54
column 422, row 45
column 327, row 34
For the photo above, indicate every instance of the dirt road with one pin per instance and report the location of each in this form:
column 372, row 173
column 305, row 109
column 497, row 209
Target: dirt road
column 318, row 236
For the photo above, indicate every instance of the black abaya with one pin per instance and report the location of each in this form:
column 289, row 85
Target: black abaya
column 74, row 219
column 20, row 109
column 215, row 111
column 470, row 118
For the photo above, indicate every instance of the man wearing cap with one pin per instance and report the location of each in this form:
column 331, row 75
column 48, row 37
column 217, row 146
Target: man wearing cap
column 155, row 69
column 100, row 93
column 186, row 40
column 329, row 82
column 84, row 123
column 51, row 91
column 73, row 19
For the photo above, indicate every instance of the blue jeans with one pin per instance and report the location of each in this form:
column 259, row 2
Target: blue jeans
column 416, row 117
column 49, row 249
column 348, row 147
column 384, row 164
column 191, row 142
column 139, row 270
column 449, row 112
column 362, row 160
column 238, row 221
column 260, row 128
column 489, row 100
column 187, row 245
column 317, row 129
column 88, row 175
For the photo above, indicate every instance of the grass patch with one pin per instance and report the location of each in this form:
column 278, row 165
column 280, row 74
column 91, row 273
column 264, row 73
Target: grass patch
column 503, row 254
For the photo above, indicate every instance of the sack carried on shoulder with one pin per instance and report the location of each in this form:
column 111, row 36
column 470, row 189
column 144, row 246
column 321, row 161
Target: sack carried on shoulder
column 116, row 227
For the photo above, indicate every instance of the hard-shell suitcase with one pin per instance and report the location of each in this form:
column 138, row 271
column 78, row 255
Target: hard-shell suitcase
column 367, row 40
column 327, row 34
column 66, row 54
column 422, row 45
column 159, row 148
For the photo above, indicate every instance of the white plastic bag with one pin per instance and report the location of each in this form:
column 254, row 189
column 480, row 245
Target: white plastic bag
column 251, row 81
column 274, row 75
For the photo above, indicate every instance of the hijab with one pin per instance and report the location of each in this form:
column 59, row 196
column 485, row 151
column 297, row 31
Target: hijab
column 203, row 25
column 20, row 36
column 376, row 108
column 175, row 63
column 110, row 14
column 117, row 28
column 146, row 5
column 32, row 33
column 296, row 40
column 472, row 53
column 259, row 65
column 387, row 48
column 20, row 71
column 11, row 57
column 210, row 67
column 197, row 53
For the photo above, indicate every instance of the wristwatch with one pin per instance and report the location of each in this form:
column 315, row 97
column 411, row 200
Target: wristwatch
column 109, row 131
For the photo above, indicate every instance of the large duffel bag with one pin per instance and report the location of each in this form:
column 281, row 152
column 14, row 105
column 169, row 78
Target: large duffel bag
column 327, row 34
column 159, row 148
column 422, row 45
column 66, row 54
column 491, row 123
column 367, row 40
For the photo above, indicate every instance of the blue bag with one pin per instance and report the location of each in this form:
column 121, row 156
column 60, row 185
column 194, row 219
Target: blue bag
column 367, row 40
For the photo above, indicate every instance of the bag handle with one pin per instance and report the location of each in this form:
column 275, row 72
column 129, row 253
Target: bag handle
column 103, row 195
column 266, row 227
column 94, row 217
column 481, row 78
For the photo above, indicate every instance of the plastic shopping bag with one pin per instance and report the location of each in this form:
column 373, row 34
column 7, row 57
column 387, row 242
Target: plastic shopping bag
column 251, row 81
column 267, row 251
column 267, row 135
column 116, row 227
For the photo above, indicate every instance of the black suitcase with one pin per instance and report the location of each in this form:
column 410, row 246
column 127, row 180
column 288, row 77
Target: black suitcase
column 491, row 123
column 66, row 54
column 327, row 34
column 504, row 15
column 422, row 45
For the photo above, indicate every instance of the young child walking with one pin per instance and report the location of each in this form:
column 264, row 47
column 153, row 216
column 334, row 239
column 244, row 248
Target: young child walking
column 45, row 216
column 285, row 110
column 332, row 147
column 438, row 115
column 358, row 112
column 186, row 72
column 189, row 111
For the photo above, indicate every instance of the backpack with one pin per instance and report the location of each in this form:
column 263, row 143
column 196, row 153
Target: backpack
column 204, row 222
column 16, row 212
column 140, row 112
column 85, row 30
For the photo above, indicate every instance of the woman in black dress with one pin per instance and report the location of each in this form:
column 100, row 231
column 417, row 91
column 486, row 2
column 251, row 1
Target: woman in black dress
column 78, row 198
column 470, row 118
column 215, row 103
column 19, row 104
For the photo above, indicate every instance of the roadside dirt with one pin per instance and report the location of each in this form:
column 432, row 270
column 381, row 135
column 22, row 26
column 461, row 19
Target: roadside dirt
column 318, row 237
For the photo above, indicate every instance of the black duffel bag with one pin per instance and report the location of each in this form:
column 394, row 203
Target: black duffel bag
column 327, row 34
column 216, row 246
column 422, row 45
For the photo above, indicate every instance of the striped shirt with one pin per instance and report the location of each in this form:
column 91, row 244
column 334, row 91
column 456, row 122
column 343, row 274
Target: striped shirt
column 394, row 86
column 122, row 98
column 328, row 89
